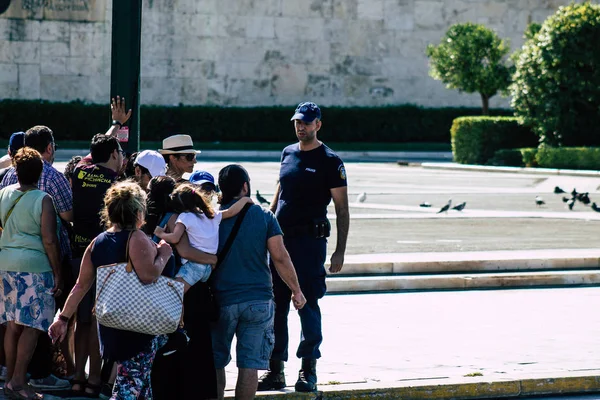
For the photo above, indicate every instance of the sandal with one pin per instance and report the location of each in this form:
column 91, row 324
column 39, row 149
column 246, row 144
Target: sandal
column 15, row 395
column 81, row 391
column 94, row 390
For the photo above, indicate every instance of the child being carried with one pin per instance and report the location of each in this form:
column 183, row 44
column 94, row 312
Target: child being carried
column 201, row 222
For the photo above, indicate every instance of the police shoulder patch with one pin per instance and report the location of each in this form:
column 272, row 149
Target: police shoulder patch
column 342, row 171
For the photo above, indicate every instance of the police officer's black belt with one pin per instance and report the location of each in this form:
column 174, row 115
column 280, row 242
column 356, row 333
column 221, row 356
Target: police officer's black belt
column 318, row 229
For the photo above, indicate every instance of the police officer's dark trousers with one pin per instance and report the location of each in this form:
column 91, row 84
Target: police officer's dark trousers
column 308, row 256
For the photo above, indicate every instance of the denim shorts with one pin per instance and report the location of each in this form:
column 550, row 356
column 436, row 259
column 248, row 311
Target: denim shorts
column 252, row 323
column 192, row 272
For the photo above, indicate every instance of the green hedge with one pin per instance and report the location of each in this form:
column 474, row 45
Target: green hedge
column 515, row 157
column 475, row 140
column 550, row 157
column 569, row 157
column 79, row 121
column 507, row 158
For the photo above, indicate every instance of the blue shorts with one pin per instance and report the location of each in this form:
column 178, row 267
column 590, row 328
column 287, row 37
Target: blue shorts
column 192, row 272
column 252, row 323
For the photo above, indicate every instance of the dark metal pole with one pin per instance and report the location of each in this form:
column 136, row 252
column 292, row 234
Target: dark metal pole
column 125, row 62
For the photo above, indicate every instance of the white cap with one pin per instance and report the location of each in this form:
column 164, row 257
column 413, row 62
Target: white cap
column 153, row 161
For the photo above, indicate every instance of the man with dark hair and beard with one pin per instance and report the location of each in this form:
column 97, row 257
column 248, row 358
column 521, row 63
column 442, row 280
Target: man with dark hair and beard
column 242, row 285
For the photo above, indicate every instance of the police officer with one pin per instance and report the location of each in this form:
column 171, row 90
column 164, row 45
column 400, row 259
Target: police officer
column 311, row 174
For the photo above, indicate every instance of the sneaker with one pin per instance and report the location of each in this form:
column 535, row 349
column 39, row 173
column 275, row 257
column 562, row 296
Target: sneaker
column 3, row 372
column 274, row 378
column 307, row 377
column 50, row 382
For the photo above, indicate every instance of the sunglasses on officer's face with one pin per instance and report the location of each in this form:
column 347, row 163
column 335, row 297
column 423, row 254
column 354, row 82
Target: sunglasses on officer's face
column 188, row 156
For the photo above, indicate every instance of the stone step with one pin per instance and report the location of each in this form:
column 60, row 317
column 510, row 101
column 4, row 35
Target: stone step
column 388, row 283
column 470, row 262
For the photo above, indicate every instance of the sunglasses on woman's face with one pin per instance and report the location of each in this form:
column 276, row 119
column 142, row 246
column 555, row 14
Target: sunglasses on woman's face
column 189, row 156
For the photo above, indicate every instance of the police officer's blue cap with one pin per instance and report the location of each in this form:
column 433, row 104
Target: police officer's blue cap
column 307, row 112
column 16, row 141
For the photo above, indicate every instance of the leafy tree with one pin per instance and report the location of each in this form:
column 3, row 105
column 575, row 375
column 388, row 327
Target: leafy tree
column 556, row 87
column 471, row 58
column 532, row 29
column 529, row 34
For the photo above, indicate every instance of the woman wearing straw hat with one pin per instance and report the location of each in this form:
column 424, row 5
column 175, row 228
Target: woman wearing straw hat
column 180, row 156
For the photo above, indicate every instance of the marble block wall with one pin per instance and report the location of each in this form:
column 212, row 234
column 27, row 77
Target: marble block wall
column 256, row 52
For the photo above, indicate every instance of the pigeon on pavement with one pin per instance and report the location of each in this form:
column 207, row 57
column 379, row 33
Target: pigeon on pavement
column 595, row 207
column 539, row 201
column 584, row 198
column 460, row 207
column 571, row 203
column 565, row 199
column 558, row 190
column 446, row 207
column 361, row 197
column 261, row 199
column 425, row 204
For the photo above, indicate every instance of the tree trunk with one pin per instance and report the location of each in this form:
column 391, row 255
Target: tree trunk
column 485, row 100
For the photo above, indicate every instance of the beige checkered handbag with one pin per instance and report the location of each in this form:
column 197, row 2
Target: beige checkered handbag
column 124, row 302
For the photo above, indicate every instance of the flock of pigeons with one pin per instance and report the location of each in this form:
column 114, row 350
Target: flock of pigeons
column 447, row 207
column 583, row 198
column 459, row 207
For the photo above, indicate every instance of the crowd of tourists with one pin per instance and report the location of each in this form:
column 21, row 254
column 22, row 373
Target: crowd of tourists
column 220, row 253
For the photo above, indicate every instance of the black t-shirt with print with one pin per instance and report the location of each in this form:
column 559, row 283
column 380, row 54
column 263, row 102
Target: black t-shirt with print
column 90, row 183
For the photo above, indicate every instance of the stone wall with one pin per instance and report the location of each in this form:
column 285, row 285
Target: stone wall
column 255, row 52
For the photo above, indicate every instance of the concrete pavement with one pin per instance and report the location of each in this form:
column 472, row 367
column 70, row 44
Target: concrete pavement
column 454, row 345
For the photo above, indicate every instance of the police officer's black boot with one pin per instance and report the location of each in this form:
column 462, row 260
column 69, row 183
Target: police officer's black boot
column 307, row 378
column 274, row 378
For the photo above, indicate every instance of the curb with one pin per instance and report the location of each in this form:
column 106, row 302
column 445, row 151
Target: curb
column 517, row 170
column 467, row 262
column 405, row 272
column 466, row 390
column 270, row 155
column 477, row 281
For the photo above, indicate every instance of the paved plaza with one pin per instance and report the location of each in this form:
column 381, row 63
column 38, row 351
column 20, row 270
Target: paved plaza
column 386, row 340
column 418, row 339
column 443, row 338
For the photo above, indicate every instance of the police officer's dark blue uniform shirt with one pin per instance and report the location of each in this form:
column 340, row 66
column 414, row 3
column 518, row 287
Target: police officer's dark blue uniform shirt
column 306, row 178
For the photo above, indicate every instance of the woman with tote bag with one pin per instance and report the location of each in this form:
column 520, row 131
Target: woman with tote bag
column 123, row 213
